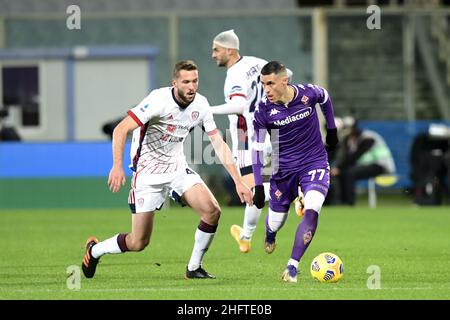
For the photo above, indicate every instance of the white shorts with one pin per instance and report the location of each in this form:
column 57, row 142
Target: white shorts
column 145, row 196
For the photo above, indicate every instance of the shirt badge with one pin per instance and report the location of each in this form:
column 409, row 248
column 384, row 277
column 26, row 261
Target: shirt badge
column 305, row 99
column 194, row 115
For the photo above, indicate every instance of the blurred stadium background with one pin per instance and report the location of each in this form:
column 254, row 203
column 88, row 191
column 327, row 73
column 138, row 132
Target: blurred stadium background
column 61, row 86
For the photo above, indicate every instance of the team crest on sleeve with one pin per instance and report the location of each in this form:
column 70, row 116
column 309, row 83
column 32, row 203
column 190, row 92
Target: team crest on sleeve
column 144, row 108
column 194, row 115
column 305, row 99
column 235, row 89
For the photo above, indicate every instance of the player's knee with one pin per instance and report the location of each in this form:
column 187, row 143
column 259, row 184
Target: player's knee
column 314, row 200
column 213, row 213
column 276, row 220
column 139, row 244
column 142, row 244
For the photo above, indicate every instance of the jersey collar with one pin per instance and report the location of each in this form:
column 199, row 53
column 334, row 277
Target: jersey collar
column 182, row 106
column 293, row 99
column 235, row 63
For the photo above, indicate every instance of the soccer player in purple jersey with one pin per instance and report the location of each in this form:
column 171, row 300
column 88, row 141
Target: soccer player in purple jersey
column 288, row 114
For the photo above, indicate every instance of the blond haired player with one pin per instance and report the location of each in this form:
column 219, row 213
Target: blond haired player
column 164, row 119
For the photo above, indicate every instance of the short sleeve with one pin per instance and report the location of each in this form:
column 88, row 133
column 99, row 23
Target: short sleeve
column 259, row 120
column 207, row 121
column 320, row 94
column 147, row 109
column 235, row 87
column 259, row 124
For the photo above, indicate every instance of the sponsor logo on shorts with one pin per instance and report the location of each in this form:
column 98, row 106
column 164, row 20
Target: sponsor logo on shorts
column 319, row 186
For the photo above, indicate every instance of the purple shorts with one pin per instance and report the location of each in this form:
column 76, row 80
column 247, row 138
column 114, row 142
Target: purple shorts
column 284, row 185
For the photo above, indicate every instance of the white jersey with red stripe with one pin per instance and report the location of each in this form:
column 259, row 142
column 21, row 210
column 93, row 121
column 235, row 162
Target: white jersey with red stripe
column 243, row 79
column 157, row 145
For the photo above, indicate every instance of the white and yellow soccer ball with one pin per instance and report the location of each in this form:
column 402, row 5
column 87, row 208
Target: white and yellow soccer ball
column 327, row 267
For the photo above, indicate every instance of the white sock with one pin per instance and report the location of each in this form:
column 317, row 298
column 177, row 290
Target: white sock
column 277, row 220
column 293, row 262
column 252, row 214
column 201, row 245
column 108, row 246
column 251, row 217
column 266, row 191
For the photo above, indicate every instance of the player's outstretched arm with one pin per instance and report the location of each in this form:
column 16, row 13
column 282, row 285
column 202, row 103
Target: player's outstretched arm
column 235, row 106
column 116, row 177
column 223, row 152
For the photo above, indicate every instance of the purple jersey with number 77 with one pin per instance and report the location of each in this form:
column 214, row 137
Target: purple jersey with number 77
column 299, row 157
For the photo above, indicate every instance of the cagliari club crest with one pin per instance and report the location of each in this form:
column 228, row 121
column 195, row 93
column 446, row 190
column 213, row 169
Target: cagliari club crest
column 194, row 115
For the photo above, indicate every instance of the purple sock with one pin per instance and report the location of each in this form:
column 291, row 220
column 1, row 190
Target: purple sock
column 305, row 233
column 267, row 222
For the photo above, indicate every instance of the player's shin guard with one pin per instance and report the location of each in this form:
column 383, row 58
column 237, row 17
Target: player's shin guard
column 275, row 220
column 114, row 245
column 251, row 218
column 204, row 235
column 305, row 233
column 252, row 214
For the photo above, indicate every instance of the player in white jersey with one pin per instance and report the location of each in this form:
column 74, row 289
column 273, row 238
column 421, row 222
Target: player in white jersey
column 242, row 92
column 163, row 120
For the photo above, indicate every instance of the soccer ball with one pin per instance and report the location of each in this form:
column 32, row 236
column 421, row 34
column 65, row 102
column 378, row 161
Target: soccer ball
column 327, row 267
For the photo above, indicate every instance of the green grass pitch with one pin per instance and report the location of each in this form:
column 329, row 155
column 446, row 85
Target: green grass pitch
column 410, row 245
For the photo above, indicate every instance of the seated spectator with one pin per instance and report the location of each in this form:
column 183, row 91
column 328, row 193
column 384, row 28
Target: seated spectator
column 363, row 154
